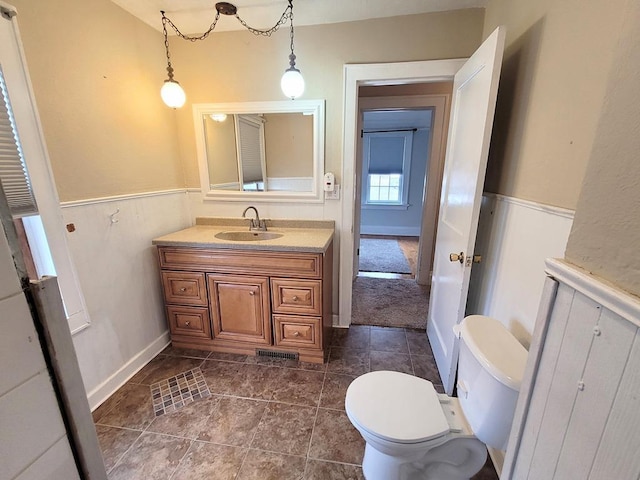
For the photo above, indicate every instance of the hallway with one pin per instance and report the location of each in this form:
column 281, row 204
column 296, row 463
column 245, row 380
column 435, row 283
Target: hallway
column 388, row 299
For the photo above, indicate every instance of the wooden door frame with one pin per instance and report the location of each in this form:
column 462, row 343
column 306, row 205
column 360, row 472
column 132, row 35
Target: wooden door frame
column 354, row 77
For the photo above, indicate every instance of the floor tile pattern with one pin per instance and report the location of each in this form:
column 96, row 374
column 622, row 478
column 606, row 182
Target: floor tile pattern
column 267, row 419
column 178, row 391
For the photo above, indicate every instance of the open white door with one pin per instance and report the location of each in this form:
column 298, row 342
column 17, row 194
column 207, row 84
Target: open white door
column 475, row 88
column 357, row 213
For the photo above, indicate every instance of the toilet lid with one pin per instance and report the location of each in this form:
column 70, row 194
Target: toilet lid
column 396, row 407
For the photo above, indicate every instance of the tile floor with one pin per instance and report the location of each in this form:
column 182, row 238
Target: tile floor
column 266, row 419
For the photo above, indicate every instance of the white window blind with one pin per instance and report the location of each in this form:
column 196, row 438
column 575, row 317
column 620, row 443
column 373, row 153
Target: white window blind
column 13, row 171
column 251, row 149
column 386, row 168
column 386, row 154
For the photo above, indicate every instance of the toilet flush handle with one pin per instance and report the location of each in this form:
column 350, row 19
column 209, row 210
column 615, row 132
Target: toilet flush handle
column 462, row 387
column 457, row 329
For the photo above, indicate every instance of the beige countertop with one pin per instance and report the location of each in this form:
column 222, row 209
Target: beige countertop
column 297, row 235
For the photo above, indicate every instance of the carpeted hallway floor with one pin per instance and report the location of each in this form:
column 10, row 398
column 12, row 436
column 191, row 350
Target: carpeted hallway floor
column 391, row 300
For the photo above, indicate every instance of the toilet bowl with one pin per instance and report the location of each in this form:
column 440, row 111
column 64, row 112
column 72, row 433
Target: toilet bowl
column 412, row 432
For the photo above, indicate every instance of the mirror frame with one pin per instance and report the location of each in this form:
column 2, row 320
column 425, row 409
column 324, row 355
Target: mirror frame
column 309, row 107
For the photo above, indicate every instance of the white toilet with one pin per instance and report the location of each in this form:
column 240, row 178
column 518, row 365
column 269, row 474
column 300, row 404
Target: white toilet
column 412, row 432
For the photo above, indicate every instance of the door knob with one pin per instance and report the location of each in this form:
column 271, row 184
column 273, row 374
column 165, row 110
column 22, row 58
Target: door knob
column 456, row 257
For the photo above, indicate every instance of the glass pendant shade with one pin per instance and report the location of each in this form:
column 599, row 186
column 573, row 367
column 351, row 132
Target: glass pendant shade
column 292, row 83
column 172, row 94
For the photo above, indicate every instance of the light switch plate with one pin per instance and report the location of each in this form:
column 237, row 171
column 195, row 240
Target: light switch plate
column 334, row 195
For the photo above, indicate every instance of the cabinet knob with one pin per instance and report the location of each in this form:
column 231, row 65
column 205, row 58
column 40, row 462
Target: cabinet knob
column 295, row 298
column 187, row 323
column 183, row 289
column 296, row 334
column 252, row 293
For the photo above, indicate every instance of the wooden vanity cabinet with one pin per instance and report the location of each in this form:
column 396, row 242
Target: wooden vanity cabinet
column 238, row 301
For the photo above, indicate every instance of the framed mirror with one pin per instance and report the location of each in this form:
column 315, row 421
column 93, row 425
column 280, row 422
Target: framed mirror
column 261, row 151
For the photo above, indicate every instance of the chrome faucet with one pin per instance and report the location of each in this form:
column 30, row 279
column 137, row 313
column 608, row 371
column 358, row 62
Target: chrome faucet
column 255, row 223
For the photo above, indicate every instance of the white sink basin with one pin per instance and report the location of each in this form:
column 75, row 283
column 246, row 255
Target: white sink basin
column 247, row 236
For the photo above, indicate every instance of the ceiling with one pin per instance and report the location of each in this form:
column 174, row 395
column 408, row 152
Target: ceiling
column 195, row 16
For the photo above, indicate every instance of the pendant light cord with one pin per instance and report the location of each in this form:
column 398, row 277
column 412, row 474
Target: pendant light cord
column 292, row 56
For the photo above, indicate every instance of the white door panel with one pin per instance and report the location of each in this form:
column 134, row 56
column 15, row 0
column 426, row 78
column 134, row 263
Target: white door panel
column 474, row 96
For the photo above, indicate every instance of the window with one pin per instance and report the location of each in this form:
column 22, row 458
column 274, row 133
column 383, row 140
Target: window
column 43, row 226
column 16, row 185
column 13, row 170
column 384, row 188
column 386, row 166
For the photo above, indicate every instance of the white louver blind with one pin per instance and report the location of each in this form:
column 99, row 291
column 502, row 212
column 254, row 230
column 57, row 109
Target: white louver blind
column 13, row 171
column 250, row 149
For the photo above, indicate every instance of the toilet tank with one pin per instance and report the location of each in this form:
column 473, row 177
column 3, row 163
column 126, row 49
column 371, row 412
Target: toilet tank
column 490, row 369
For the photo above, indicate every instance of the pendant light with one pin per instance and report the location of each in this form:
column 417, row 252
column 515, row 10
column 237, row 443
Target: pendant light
column 292, row 83
column 171, row 92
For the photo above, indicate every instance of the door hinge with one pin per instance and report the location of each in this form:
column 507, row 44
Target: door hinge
column 361, row 133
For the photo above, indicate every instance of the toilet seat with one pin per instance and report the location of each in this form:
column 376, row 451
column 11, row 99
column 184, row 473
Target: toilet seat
column 396, row 407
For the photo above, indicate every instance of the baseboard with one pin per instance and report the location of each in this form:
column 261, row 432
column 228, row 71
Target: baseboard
column 128, row 370
column 335, row 320
column 386, row 230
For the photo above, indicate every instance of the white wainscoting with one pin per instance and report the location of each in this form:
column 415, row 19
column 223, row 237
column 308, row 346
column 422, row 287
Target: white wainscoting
column 578, row 414
column 514, row 238
column 118, row 271
column 290, row 184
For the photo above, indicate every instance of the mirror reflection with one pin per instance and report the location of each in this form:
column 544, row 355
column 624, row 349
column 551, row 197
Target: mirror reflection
column 261, row 150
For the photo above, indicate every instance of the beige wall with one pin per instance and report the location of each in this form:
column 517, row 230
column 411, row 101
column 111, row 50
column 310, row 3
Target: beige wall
column 553, row 81
column 567, row 125
column 237, row 66
column 289, row 145
column 96, row 72
column 605, row 237
column 222, row 157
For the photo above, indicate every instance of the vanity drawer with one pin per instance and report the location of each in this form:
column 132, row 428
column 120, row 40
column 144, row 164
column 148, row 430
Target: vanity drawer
column 185, row 288
column 301, row 297
column 290, row 264
column 189, row 321
column 292, row 331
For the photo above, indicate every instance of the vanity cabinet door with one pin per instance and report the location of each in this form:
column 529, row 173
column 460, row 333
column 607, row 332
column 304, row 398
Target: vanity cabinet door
column 240, row 310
